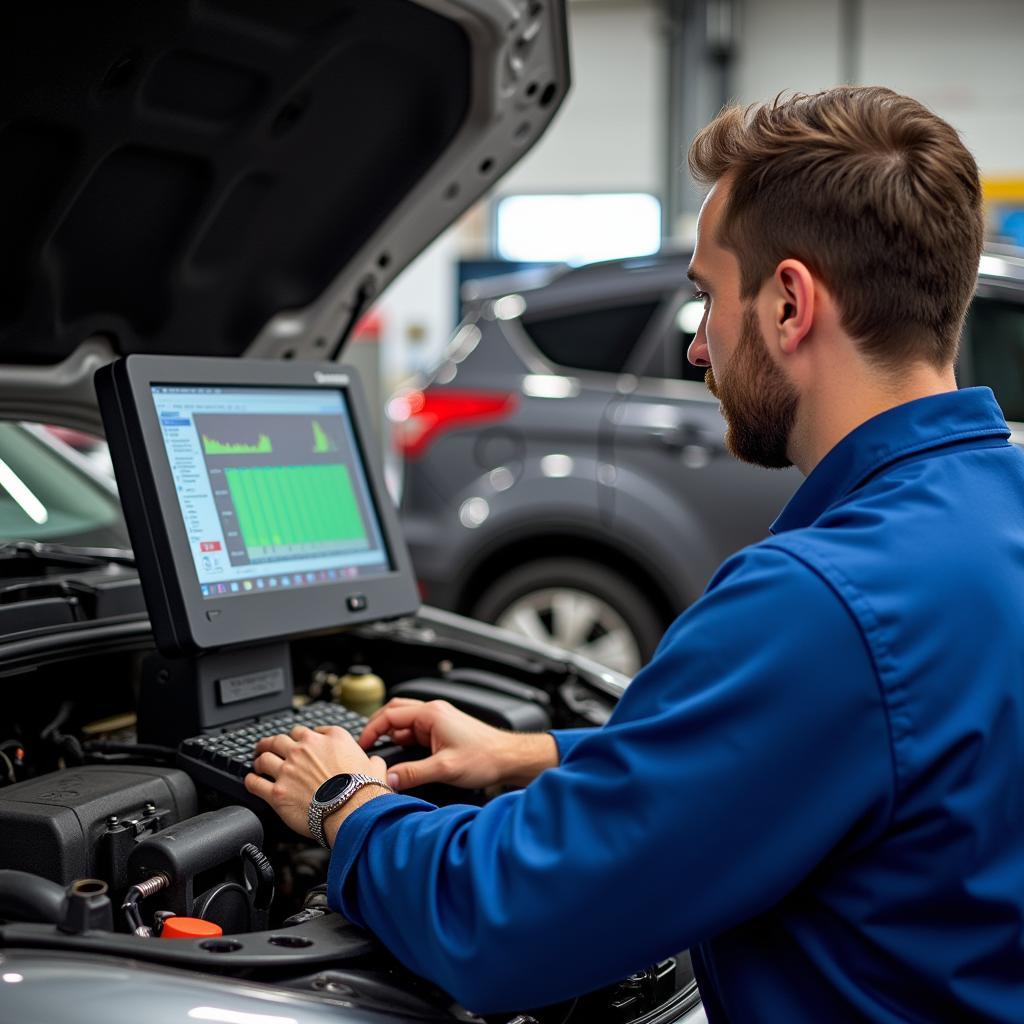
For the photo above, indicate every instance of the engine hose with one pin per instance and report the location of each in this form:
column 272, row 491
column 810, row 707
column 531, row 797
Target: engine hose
column 27, row 897
column 134, row 894
column 70, row 748
column 208, row 899
column 264, row 875
column 68, row 745
column 60, row 718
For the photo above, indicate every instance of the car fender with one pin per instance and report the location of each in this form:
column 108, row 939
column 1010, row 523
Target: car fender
column 485, row 519
column 111, row 990
column 666, row 528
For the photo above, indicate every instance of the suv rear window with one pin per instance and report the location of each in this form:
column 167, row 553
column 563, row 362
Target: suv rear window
column 994, row 344
column 593, row 339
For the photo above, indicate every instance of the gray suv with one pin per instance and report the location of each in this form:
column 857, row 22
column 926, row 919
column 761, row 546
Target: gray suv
column 565, row 468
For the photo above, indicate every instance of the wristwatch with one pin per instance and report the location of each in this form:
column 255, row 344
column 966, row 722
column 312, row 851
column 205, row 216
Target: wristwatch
column 331, row 795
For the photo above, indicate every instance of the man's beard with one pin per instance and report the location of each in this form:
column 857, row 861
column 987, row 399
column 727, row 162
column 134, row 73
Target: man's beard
column 758, row 402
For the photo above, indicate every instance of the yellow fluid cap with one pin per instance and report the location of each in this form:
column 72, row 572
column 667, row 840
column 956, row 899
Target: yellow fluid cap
column 360, row 690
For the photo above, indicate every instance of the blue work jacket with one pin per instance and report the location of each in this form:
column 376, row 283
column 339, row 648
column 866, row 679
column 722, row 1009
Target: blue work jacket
column 817, row 784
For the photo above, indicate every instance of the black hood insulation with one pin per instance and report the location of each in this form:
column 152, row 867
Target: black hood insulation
column 173, row 174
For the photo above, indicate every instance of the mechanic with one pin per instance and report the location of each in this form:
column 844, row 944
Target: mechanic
column 817, row 784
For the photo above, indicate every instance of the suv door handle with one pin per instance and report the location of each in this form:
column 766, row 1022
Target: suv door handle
column 683, row 435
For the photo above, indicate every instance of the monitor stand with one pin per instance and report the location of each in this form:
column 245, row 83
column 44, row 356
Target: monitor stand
column 182, row 697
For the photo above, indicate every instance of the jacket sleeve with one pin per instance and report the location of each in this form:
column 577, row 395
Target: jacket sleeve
column 753, row 745
column 567, row 739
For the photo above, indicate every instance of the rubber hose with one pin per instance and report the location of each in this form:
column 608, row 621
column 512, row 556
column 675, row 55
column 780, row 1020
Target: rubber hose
column 27, row 897
column 264, row 875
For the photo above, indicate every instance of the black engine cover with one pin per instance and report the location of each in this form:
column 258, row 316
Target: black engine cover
column 83, row 822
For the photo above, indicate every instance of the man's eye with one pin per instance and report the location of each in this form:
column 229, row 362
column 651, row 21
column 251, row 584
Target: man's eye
column 701, row 296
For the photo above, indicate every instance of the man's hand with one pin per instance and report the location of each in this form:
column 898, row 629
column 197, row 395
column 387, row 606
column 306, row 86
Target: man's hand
column 299, row 762
column 463, row 751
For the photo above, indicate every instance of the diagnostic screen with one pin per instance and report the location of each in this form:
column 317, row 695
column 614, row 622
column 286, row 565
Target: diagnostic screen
column 271, row 486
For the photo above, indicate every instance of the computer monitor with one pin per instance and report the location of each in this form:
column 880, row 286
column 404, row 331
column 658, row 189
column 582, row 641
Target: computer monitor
column 254, row 499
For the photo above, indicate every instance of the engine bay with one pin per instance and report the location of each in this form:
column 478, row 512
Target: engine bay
column 107, row 840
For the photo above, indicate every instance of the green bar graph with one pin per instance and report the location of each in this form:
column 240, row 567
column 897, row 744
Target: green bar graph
column 321, row 442
column 295, row 509
column 263, row 446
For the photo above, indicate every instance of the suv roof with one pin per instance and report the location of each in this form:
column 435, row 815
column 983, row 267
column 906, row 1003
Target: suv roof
column 656, row 271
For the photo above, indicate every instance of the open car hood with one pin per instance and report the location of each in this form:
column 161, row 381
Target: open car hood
column 229, row 177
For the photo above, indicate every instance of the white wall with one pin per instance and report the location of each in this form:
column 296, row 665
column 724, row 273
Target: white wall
column 960, row 58
column 787, row 44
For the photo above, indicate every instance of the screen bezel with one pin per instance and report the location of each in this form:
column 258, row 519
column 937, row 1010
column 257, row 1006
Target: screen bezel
column 192, row 622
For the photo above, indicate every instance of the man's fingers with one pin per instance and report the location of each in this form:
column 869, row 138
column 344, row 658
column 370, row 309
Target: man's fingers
column 395, row 702
column 261, row 787
column 333, row 730
column 389, row 719
column 407, row 774
column 268, row 763
column 281, row 745
column 381, row 713
column 398, row 702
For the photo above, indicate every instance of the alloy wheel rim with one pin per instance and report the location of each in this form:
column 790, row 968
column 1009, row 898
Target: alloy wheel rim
column 578, row 621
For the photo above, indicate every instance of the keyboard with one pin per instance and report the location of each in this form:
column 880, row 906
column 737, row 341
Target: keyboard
column 222, row 760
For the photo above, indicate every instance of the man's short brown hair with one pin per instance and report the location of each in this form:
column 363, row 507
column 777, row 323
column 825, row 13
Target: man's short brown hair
column 875, row 193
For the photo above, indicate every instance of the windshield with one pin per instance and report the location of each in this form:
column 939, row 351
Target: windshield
column 46, row 496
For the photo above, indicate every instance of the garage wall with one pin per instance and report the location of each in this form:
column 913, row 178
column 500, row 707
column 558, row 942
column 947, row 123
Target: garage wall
column 961, row 59
column 787, row 44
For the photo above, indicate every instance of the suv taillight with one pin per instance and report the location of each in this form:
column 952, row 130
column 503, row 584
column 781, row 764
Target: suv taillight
column 419, row 416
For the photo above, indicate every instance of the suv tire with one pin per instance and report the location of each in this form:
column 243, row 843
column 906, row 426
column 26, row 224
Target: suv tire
column 578, row 605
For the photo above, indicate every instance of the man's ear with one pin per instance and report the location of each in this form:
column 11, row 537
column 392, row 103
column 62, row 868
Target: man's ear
column 792, row 294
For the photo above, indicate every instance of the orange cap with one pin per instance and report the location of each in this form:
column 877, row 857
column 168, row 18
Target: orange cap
column 189, row 928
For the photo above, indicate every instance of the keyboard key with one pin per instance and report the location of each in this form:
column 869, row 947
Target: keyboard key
column 226, row 757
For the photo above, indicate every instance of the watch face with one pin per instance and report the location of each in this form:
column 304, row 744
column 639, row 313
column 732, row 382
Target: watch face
column 332, row 788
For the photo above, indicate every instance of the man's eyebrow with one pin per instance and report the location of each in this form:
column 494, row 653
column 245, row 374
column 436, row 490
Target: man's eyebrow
column 695, row 276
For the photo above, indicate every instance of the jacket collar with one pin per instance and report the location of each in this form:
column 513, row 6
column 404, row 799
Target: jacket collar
column 933, row 422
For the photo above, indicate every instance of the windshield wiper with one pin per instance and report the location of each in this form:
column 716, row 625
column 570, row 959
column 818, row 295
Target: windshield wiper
column 28, row 557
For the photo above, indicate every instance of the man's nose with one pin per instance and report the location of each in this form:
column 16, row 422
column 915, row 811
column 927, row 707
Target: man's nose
column 697, row 353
